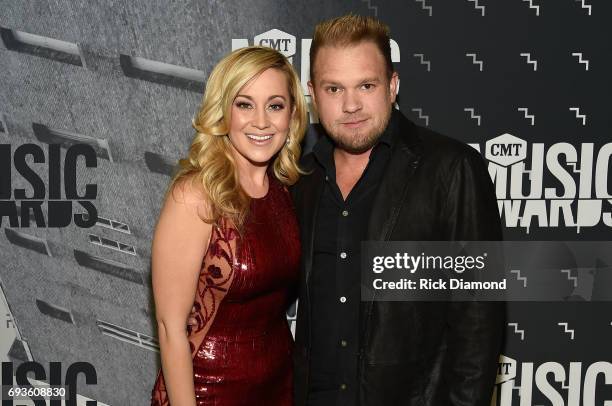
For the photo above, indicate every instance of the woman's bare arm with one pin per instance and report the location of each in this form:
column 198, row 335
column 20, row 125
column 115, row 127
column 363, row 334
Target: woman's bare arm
column 179, row 245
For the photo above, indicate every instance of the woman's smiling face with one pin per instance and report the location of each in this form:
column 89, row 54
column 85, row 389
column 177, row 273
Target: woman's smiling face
column 260, row 117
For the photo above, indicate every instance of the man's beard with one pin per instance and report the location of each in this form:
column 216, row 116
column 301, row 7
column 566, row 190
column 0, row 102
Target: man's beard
column 355, row 141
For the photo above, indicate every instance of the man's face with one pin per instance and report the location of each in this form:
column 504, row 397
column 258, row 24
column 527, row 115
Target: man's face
column 353, row 94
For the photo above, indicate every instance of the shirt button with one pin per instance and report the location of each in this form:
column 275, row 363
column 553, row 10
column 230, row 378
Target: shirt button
column 343, row 255
column 326, row 177
column 342, row 299
column 343, row 386
column 345, row 213
column 343, row 343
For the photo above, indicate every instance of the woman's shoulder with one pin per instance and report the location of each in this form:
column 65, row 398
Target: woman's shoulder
column 182, row 227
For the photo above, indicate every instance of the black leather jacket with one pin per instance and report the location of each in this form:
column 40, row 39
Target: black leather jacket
column 415, row 353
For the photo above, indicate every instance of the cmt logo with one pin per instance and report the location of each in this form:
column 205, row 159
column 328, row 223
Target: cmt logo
column 506, row 150
column 281, row 41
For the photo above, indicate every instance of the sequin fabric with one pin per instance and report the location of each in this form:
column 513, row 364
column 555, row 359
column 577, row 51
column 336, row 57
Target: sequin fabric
column 241, row 346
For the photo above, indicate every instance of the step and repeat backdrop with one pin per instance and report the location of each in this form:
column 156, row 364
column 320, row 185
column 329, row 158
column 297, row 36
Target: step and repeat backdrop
column 526, row 82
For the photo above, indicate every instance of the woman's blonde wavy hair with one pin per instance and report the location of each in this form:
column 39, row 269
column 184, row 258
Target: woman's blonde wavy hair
column 209, row 162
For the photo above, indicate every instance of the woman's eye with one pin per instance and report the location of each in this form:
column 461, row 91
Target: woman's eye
column 277, row 106
column 243, row 105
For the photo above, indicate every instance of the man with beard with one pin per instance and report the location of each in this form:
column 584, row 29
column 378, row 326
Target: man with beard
column 378, row 176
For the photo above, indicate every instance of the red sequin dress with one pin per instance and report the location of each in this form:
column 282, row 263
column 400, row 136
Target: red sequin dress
column 242, row 345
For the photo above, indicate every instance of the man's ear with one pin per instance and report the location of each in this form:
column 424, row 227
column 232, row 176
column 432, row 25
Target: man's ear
column 393, row 86
column 312, row 92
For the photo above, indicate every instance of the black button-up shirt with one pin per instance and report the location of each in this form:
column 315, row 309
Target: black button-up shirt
column 340, row 227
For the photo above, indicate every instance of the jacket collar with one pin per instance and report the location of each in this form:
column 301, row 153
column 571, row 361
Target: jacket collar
column 392, row 191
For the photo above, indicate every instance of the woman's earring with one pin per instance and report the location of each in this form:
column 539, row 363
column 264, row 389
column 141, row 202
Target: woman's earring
column 287, row 140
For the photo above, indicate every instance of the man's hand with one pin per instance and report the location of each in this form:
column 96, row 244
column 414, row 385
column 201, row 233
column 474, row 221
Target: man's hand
column 191, row 321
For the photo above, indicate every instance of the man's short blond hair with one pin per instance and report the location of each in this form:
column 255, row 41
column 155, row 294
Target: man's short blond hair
column 349, row 30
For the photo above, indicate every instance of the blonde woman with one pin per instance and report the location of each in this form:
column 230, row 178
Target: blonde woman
column 227, row 241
